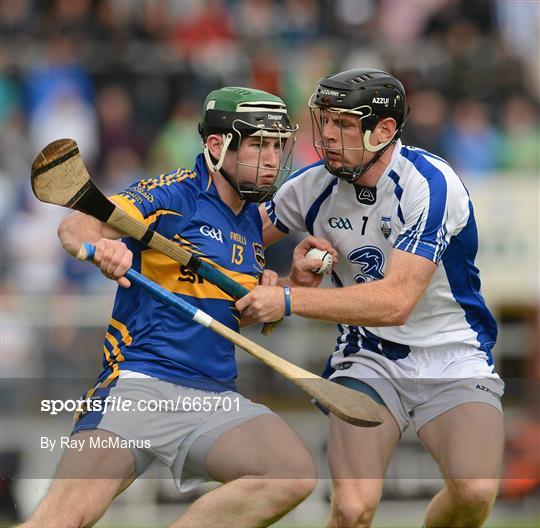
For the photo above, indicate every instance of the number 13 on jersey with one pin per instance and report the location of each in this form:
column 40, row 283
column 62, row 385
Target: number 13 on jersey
column 237, row 256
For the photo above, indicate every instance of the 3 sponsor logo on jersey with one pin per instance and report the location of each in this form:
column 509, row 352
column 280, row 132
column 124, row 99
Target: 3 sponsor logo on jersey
column 338, row 222
column 143, row 192
column 131, row 196
column 212, row 232
column 386, row 226
column 237, row 237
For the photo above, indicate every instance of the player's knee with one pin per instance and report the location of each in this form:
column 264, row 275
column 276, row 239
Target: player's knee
column 353, row 506
column 358, row 514
column 474, row 494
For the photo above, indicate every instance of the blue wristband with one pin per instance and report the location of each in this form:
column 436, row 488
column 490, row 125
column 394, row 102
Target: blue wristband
column 287, row 291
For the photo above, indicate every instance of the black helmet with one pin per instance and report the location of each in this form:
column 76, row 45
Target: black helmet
column 353, row 89
column 371, row 95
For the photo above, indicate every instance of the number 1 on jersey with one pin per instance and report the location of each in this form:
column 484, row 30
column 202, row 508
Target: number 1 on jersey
column 237, row 254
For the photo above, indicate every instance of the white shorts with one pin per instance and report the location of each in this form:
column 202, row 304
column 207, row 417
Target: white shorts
column 166, row 424
column 427, row 383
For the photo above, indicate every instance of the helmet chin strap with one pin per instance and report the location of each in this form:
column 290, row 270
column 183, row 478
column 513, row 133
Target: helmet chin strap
column 253, row 194
column 230, row 180
column 352, row 174
column 247, row 192
column 217, row 165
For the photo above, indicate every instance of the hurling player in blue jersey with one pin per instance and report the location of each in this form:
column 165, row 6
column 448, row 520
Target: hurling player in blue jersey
column 178, row 378
column 414, row 330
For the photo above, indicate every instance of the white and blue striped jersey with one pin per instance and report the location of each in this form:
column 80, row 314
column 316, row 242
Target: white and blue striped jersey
column 419, row 205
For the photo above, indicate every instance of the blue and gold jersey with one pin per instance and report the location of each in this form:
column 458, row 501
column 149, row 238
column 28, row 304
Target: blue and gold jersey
column 148, row 336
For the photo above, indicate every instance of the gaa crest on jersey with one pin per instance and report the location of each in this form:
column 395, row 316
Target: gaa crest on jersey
column 258, row 250
column 339, row 222
column 386, row 226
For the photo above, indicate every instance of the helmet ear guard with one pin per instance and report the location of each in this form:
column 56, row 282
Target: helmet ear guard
column 212, row 163
column 368, row 129
column 375, row 148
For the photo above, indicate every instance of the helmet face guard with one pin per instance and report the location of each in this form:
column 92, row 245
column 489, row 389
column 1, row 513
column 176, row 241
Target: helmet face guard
column 367, row 95
column 256, row 114
column 253, row 192
column 319, row 117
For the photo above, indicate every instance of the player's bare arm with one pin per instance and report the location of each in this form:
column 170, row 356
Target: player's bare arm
column 387, row 302
column 271, row 234
column 112, row 256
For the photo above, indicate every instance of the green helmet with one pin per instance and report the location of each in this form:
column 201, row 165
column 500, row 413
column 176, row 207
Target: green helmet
column 235, row 113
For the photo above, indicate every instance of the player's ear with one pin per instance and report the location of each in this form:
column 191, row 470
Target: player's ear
column 385, row 129
column 215, row 144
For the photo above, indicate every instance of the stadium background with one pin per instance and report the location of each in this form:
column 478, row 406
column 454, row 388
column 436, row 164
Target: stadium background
column 126, row 79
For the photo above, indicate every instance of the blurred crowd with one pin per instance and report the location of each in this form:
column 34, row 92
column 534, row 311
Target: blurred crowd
column 126, row 79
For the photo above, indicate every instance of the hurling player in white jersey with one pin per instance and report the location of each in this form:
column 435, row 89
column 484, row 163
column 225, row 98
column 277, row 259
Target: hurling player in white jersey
column 414, row 331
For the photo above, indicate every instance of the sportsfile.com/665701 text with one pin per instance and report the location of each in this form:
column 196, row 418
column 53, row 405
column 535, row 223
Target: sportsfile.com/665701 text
column 119, row 404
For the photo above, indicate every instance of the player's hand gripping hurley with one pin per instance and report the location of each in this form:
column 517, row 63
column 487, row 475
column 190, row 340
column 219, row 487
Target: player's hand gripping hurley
column 59, row 177
column 349, row 405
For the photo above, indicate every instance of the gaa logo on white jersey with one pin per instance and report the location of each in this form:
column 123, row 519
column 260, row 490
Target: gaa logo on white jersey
column 212, row 232
column 338, row 222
